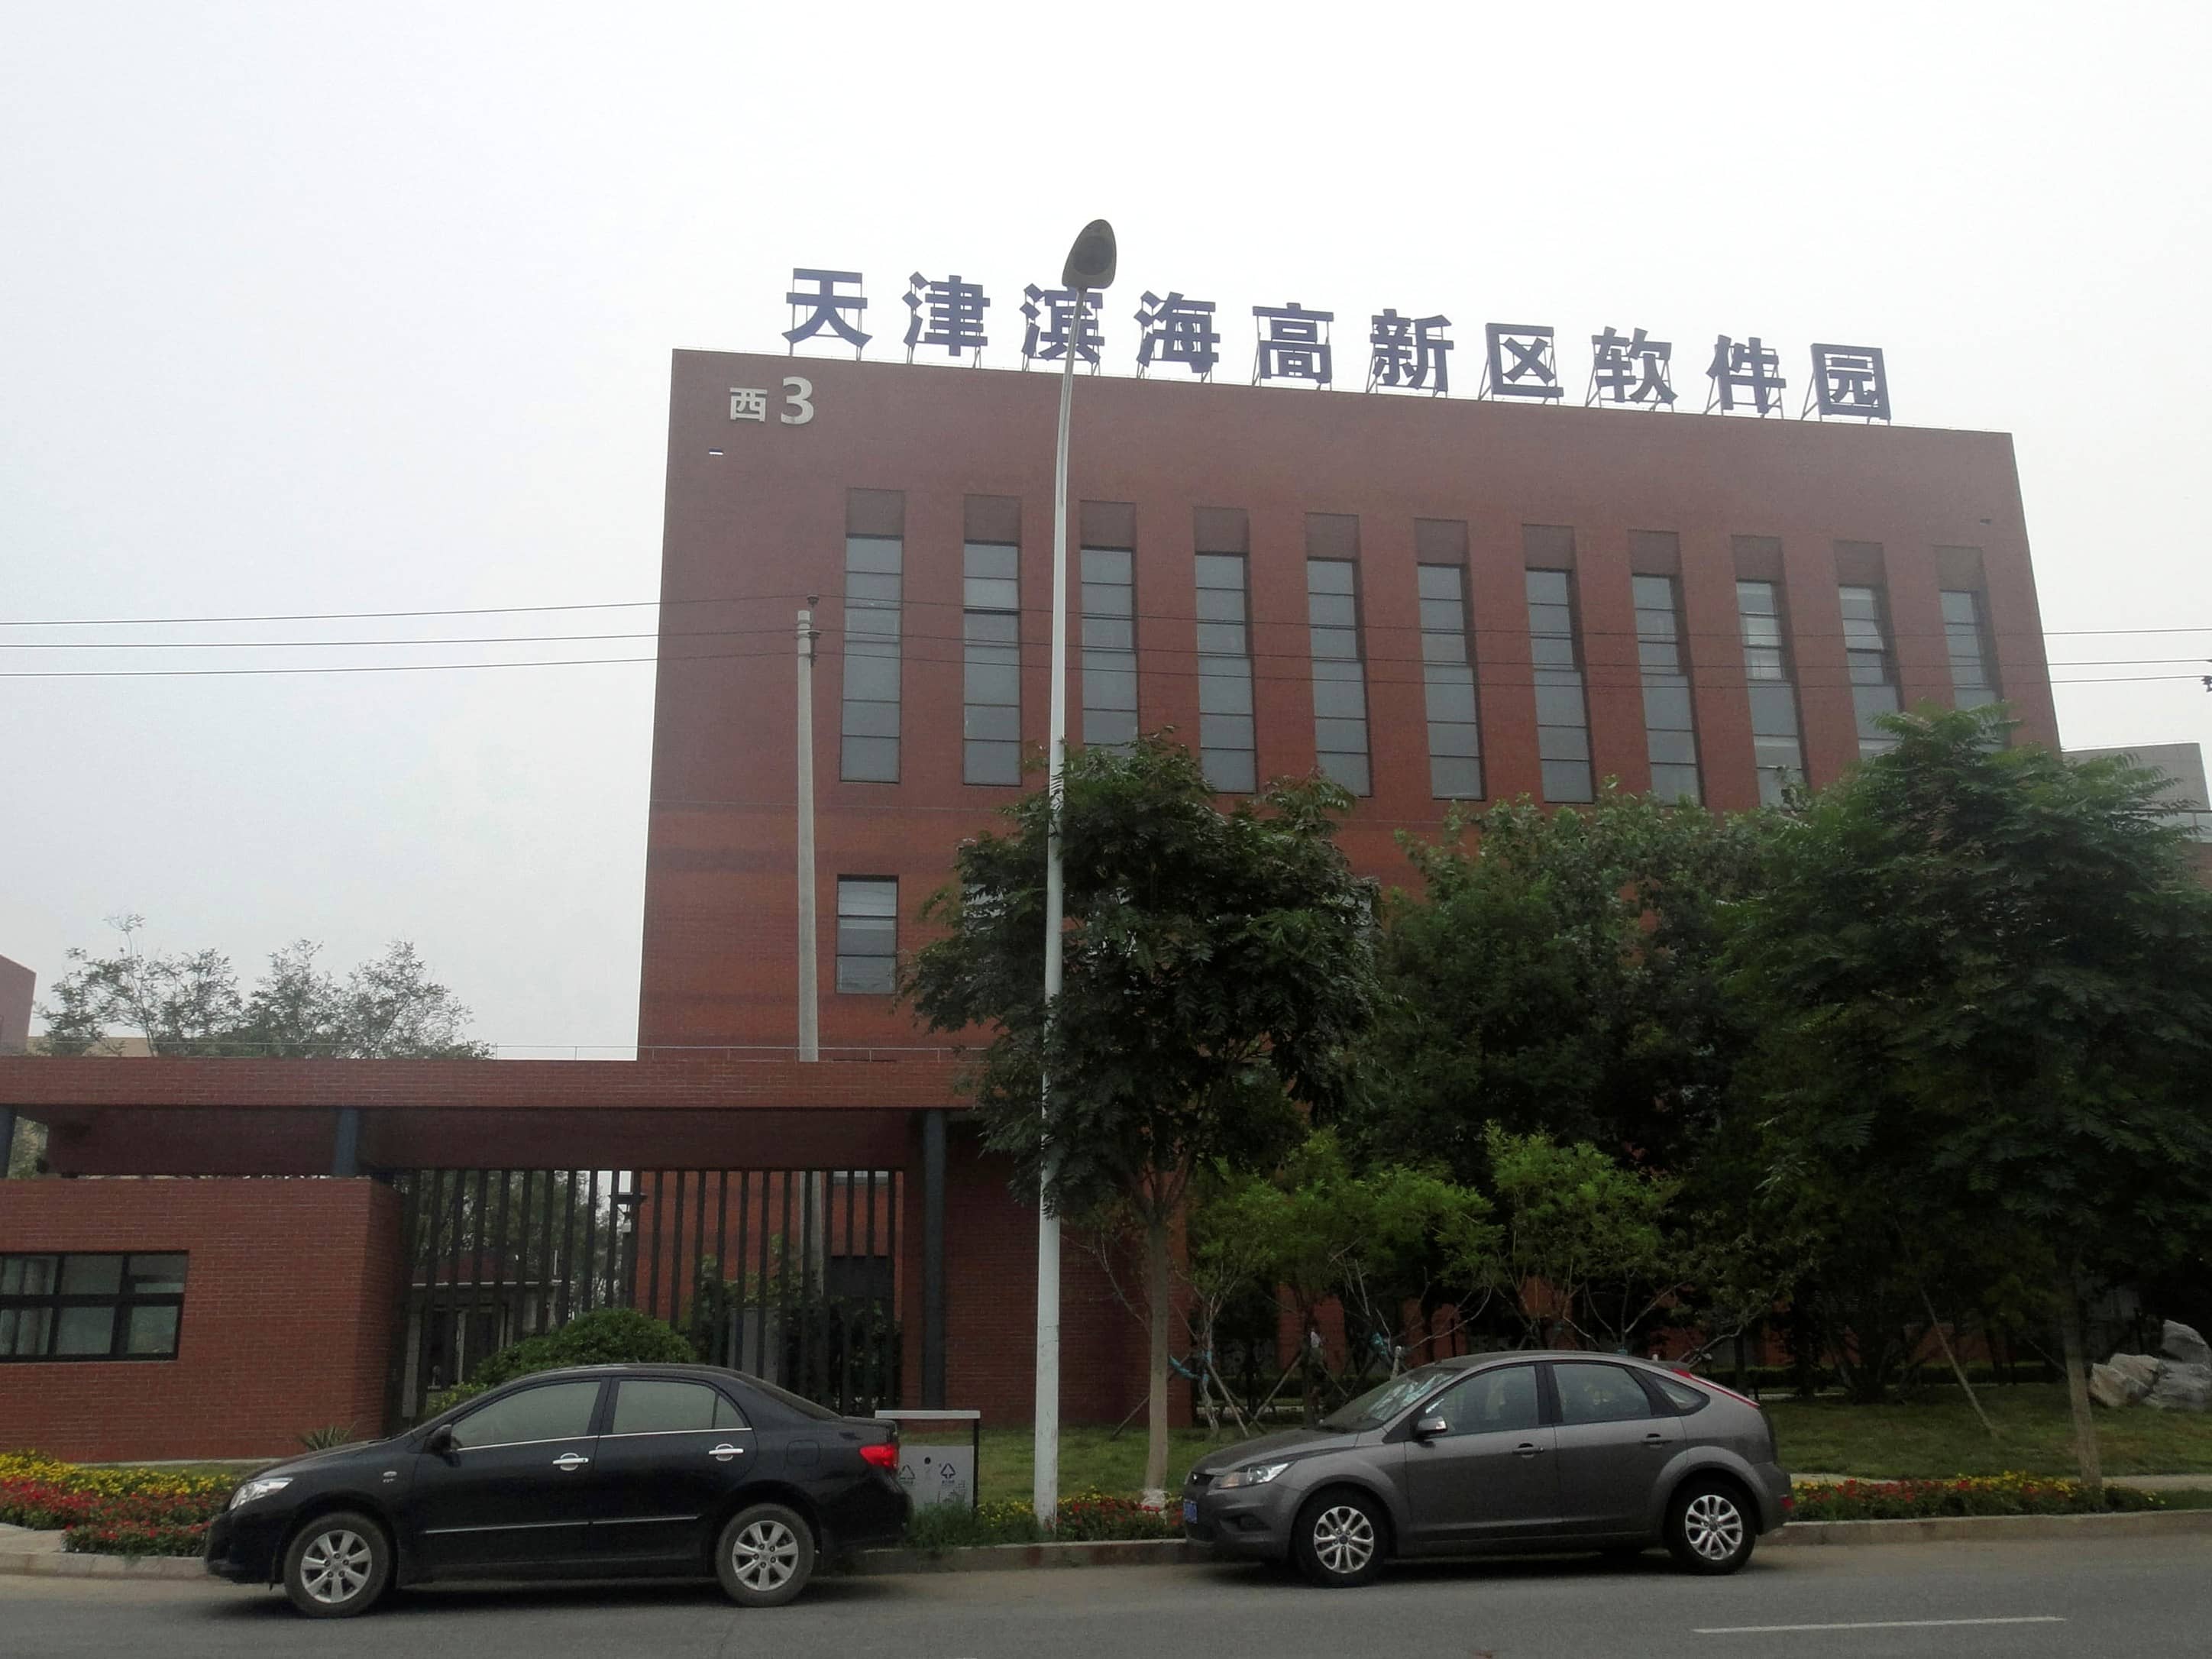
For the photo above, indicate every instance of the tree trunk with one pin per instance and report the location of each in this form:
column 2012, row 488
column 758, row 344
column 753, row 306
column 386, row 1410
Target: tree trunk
column 2077, row 1383
column 1957, row 1369
column 1159, row 1286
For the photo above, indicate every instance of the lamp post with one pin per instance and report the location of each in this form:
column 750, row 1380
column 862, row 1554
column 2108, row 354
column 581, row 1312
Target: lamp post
column 1090, row 265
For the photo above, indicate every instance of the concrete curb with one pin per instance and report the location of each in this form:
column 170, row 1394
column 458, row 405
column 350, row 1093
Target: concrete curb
column 1992, row 1528
column 58, row 1563
column 1176, row 1552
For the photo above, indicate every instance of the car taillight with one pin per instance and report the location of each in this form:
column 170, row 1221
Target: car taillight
column 883, row 1454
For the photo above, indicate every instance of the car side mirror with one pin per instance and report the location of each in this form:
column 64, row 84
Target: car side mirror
column 440, row 1443
column 1429, row 1427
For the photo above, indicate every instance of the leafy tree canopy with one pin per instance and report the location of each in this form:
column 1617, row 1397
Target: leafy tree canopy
column 1559, row 972
column 190, row 1004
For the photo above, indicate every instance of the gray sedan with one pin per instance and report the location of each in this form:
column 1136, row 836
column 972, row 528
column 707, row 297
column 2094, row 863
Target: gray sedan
column 1506, row 1451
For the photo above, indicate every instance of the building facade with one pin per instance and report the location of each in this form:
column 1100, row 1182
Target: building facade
column 1433, row 601
column 1437, row 603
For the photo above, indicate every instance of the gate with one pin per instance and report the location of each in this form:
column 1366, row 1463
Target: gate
column 791, row 1275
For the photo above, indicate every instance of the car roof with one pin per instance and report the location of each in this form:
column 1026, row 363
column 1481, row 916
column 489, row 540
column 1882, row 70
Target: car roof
column 1467, row 1362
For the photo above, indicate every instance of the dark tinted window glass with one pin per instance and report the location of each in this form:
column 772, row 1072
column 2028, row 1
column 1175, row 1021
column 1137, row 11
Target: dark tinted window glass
column 658, row 1407
column 1493, row 1403
column 1598, row 1394
column 557, row 1411
column 1684, row 1398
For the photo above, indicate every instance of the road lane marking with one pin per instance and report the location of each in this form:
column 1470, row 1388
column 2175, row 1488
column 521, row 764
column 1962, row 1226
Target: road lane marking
column 1871, row 1624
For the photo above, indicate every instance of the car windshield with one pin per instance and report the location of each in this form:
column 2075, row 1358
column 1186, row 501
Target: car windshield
column 1382, row 1403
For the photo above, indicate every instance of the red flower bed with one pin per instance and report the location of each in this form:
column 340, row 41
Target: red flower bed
column 117, row 1524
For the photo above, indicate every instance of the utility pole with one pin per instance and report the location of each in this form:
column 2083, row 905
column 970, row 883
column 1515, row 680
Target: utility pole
column 1090, row 265
column 810, row 1033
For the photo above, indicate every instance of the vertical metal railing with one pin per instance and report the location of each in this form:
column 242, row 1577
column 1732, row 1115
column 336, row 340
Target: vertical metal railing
column 794, row 1278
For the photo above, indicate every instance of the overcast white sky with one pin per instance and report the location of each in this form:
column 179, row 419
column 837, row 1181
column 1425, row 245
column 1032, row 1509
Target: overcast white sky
column 313, row 308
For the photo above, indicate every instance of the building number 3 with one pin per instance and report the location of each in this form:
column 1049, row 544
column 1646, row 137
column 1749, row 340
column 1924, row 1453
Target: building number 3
column 749, row 403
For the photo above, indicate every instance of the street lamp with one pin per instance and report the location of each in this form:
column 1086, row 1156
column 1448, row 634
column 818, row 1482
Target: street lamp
column 1090, row 265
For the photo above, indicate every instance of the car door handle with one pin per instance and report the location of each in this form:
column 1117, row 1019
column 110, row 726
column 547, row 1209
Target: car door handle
column 1527, row 1448
column 724, row 1452
column 568, row 1461
column 1655, row 1439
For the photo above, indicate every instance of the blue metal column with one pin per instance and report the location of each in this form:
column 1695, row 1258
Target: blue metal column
column 345, row 1148
column 7, row 1138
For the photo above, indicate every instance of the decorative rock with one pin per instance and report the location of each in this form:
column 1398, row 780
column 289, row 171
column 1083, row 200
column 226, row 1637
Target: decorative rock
column 2140, row 1369
column 2185, row 1381
column 2108, row 1386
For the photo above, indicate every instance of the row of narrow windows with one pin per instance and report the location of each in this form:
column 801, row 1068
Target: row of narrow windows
column 1338, row 667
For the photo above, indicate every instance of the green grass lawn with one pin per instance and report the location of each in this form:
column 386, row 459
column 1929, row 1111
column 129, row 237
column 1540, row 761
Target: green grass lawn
column 1936, row 1434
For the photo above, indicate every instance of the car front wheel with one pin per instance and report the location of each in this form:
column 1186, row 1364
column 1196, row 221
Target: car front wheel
column 1339, row 1543
column 1710, row 1528
column 337, row 1566
column 764, row 1557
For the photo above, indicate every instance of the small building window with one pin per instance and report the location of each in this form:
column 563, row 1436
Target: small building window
column 1109, row 648
column 1973, row 684
column 1562, row 716
column 1225, row 744
column 867, row 935
column 1339, row 683
column 869, row 751
column 1670, row 729
column 1873, row 673
column 1776, row 749
column 1448, row 675
column 91, row 1307
column 991, row 628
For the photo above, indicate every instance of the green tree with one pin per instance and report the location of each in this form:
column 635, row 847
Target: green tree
column 190, row 1004
column 1983, row 983
column 1218, row 970
column 1373, row 1242
column 1587, row 1244
column 1559, row 972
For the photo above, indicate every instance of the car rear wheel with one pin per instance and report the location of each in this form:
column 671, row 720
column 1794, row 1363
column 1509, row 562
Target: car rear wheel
column 765, row 1556
column 1339, row 1541
column 1710, row 1529
column 337, row 1566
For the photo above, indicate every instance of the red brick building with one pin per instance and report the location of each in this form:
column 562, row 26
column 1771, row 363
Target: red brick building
column 1433, row 600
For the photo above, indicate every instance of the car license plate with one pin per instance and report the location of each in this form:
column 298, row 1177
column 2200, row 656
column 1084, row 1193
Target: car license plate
column 1189, row 1511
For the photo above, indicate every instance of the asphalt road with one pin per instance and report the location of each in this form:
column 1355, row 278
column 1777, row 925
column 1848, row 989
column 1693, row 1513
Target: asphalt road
column 1960, row 1601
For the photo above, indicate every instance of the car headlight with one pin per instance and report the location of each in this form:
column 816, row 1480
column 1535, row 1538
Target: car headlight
column 1252, row 1474
column 254, row 1489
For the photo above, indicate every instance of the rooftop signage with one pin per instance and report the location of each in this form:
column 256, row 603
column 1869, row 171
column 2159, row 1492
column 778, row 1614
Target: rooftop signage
column 1292, row 344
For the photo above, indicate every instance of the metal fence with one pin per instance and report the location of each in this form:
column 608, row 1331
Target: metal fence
column 791, row 1275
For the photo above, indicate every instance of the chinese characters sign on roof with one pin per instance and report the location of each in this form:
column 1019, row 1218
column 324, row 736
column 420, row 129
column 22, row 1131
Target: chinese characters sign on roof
column 1292, row 344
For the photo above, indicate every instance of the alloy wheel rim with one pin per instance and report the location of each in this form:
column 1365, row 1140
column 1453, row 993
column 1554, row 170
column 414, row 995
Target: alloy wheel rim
column 1714, row 1526
column 765, row 1556
column 1344, row 1539
column 336, row 1566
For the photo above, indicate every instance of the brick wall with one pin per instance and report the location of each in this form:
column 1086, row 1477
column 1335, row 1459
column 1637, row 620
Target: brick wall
column 288, row 1313
column 990, row 1307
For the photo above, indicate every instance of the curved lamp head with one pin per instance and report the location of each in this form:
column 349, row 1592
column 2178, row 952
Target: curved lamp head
column 1091, row 261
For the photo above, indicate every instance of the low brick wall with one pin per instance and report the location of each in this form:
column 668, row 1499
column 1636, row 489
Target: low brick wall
column 289, row 1302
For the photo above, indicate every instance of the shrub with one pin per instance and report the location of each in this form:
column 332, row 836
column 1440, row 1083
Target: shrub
column 328, row 1437
column 608, row 1336
column 1085, row 1517
column 2011, row 1493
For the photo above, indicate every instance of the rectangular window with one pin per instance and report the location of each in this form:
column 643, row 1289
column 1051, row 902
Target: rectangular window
column 991, row 628
column 1774, row 741
column 867, row 935
column 1109, row 647
column 1225, row 745
column 1562, row 717
column 1874, row 674
column 1670, row 731
column 1448, row 676
column 1973, row 678
column 1339, row 683
column 870, row 750
column 91, row 1307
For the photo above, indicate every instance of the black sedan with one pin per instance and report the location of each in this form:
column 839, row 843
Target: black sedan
column 605, row 1470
